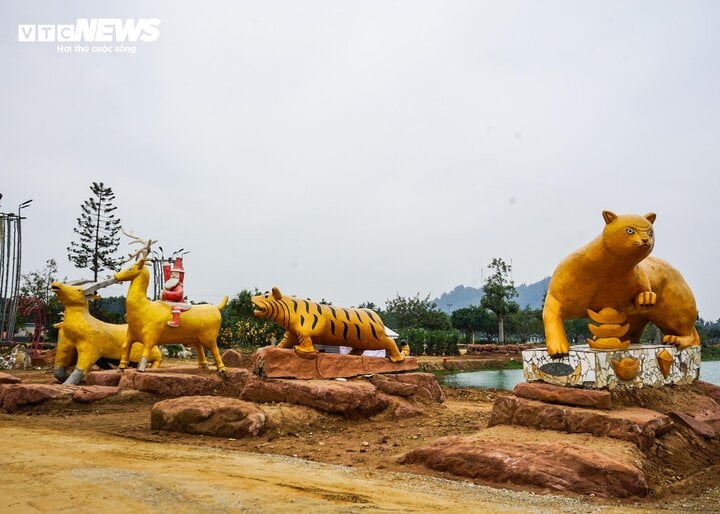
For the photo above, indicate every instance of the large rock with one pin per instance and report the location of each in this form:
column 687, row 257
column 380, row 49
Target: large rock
column 636, row 425
column 104, row 378
column 170, row 384
column 355, row 399
column 14, row 396
column 697, row 425
column 235, row 359
column 558, row 466
column 175, row 381
column 237, row 378
column 402, row 409
column 7, row 378
column 208, row 415
column 418, row 385
column 393, row 387
column 273, row 362
column 597, row 399
column 89, row 394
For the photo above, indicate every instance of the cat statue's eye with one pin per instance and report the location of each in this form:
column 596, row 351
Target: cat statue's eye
column 629, row 231
column 651, row 233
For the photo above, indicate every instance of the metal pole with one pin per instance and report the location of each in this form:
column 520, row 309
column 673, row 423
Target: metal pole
column 10, row 269
column 14, row 279
column 4, row 226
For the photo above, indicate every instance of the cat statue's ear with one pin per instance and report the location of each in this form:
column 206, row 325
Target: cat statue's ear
column 609, row 217
column 650, row 216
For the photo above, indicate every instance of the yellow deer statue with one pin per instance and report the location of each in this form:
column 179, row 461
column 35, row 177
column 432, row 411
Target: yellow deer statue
column 148, row 320
column 85, row 337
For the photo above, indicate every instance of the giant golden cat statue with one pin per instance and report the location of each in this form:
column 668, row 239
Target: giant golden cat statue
column 614, row 271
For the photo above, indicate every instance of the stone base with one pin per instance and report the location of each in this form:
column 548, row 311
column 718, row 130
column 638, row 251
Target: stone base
column 273, row 362
column 612, row 369
column 512, row 454
column 636, row 425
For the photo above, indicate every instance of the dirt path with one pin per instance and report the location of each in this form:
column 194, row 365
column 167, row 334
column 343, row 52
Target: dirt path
column 47, row 470
column 61, row 456
column 53, row 470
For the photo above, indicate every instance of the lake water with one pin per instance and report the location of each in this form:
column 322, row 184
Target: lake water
column 508, row 378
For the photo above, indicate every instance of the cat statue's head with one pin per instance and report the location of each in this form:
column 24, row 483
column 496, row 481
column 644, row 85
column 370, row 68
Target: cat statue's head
column 628, row 235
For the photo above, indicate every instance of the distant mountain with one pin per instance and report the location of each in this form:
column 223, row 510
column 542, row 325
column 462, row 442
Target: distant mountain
column 463, row 296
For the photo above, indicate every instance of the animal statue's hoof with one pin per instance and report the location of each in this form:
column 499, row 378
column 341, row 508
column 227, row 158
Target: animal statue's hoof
column 142, row 364
column 174, row 325
column 75, row 377
column 60, row 374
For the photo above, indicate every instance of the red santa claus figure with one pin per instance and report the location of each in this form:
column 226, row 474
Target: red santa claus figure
column 173, row 289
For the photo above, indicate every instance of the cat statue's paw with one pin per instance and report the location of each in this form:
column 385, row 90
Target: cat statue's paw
column 557, row 347
column 681, row 342
column 645, row 299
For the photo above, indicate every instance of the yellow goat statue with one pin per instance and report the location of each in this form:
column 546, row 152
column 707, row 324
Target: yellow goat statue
column 83, row 336
column 147, row 320
column 306, row 322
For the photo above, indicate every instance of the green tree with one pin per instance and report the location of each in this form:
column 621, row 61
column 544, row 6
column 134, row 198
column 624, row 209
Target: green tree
column 576, row 329
column 708, row 331
column 109, row 309
column 498, row 293
column 98, row 228
column 38, row 284
column 371, row 306
column 415, row 312
column 240, row 327
column 472, row 319
column 526, row 322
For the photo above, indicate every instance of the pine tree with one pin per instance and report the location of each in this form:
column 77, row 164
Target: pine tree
column 98, row 228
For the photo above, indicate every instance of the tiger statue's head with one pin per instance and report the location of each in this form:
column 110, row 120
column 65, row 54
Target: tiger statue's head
column 271, row 306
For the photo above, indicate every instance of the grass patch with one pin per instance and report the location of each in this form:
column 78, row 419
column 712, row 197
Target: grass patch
column 710, row 353
column 513, row 365
column 488, row 365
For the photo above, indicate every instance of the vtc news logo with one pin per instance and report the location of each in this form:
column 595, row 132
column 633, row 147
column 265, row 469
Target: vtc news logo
column 93, row 30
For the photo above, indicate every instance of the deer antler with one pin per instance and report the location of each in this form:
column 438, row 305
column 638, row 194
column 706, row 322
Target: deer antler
column 78, row 282
column 92, row 288
column 142, row 252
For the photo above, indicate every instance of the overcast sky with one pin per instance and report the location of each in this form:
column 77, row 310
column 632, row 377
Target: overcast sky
column 361, row 149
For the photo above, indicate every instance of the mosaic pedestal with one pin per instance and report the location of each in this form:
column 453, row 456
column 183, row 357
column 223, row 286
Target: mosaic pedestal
column 593, row 369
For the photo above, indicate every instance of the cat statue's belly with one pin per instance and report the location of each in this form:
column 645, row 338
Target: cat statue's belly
column 615, row 270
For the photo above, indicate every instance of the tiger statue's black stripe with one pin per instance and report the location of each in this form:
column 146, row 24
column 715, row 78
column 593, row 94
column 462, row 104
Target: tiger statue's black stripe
column 358, row 332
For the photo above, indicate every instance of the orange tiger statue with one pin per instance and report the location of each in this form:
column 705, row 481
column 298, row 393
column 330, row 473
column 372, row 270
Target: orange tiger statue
column 306, row 322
